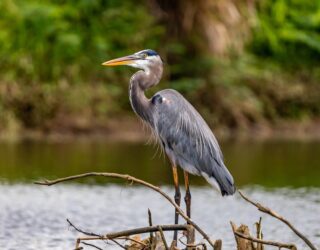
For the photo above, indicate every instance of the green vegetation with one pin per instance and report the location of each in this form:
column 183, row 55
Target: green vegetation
column 266, row 70
column 288, row 32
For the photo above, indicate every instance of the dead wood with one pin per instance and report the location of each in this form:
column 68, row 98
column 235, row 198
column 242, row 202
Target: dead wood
column 190, row 238
column 163, row 238
column 218, row 245
column 136, row 242
column 150, row 224
column 267, row 210
column 242, row 235
column 245, row 241
column 242, row 243
column 259, row 234
column 130, row 232
column 160, row 241
column 133, row 180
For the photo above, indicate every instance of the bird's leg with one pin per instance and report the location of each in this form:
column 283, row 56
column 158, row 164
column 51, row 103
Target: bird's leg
column 177, row 198
column 187, row 197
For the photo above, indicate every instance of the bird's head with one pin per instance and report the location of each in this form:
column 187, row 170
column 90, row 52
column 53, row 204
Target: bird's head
column 144, row 60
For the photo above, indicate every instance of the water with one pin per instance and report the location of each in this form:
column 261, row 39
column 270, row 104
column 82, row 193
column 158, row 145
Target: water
column 270, row 164
column 33, row 217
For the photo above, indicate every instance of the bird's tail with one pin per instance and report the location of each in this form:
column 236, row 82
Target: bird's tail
column 228, row 189
column 221, row 180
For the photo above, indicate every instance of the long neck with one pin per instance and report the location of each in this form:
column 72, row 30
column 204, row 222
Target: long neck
column 139, row 82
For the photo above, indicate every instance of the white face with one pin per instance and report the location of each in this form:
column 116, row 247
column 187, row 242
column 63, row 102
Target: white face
column 145, row 61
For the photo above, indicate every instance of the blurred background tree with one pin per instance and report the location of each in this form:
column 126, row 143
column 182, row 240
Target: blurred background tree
column 243, row 63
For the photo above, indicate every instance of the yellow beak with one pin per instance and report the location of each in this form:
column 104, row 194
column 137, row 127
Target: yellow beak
column 126, row 60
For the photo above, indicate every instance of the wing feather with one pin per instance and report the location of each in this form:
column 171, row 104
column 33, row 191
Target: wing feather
column 188, row 140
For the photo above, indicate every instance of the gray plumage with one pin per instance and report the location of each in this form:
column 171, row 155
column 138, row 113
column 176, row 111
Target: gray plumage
column 185, row 136
column 188, row 141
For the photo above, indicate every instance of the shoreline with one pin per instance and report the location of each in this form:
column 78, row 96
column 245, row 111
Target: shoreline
column 130, row 129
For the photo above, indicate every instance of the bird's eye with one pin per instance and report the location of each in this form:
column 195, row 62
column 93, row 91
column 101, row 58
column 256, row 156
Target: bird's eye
column 144, row 55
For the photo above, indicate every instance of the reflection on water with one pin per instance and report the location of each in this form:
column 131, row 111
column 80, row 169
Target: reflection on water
column 272, row 164
column 33, row 217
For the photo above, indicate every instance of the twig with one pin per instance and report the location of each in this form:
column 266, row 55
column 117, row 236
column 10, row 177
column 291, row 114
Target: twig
column 275, row 215
column 163, row 238
column 259, row 234
column 150, row 224
column 91, row 245
column 113, row 240
column 125, row 233
column 266, row 242
column 129, row 232
column 234, row 228
column 132, row 179
column 192, row 245
column 84, row 232
column 145, row 230
column 122, row 235
column 131, row 239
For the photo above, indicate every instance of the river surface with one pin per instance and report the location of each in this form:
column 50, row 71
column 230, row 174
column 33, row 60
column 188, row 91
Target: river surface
column 284, row 175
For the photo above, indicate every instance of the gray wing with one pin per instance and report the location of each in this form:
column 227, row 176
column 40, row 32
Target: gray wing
column 188, row 140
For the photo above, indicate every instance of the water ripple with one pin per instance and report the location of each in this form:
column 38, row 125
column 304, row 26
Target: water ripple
column 34, row 217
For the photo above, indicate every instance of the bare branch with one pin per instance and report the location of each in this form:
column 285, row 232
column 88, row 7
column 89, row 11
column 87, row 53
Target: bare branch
column 116, row 242
column 131, row 239
column 266, row 242
column 163, row 238
column 193, row 245
column 84, row 232
column 145, row 230
column 190, row 236
column 259, row 234
column 129, row 232
column 91, row 245
column 136, row 180
column 275, row 215
column 123, row 235
column 150, row 224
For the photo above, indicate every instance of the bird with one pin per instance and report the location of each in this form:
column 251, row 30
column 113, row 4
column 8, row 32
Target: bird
column 180, row 130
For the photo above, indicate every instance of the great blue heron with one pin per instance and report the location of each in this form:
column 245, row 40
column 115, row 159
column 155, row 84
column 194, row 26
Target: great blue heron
column 182, row 132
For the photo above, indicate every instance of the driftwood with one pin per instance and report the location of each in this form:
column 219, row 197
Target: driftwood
column 242, row 244
column 267, row 210
column 157, row 240
column 246, row 242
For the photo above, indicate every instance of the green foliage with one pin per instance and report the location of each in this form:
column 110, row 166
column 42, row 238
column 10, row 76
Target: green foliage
column 46, row 47
column 288, row 31
column 50, row 40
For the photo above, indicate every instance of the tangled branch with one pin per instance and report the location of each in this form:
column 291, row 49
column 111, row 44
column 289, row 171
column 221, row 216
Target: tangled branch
column 136, row 180
column 266, row 242
column 238, row 232
column 279, row 217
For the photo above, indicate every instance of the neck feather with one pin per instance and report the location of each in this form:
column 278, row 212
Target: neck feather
column 139, row 82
